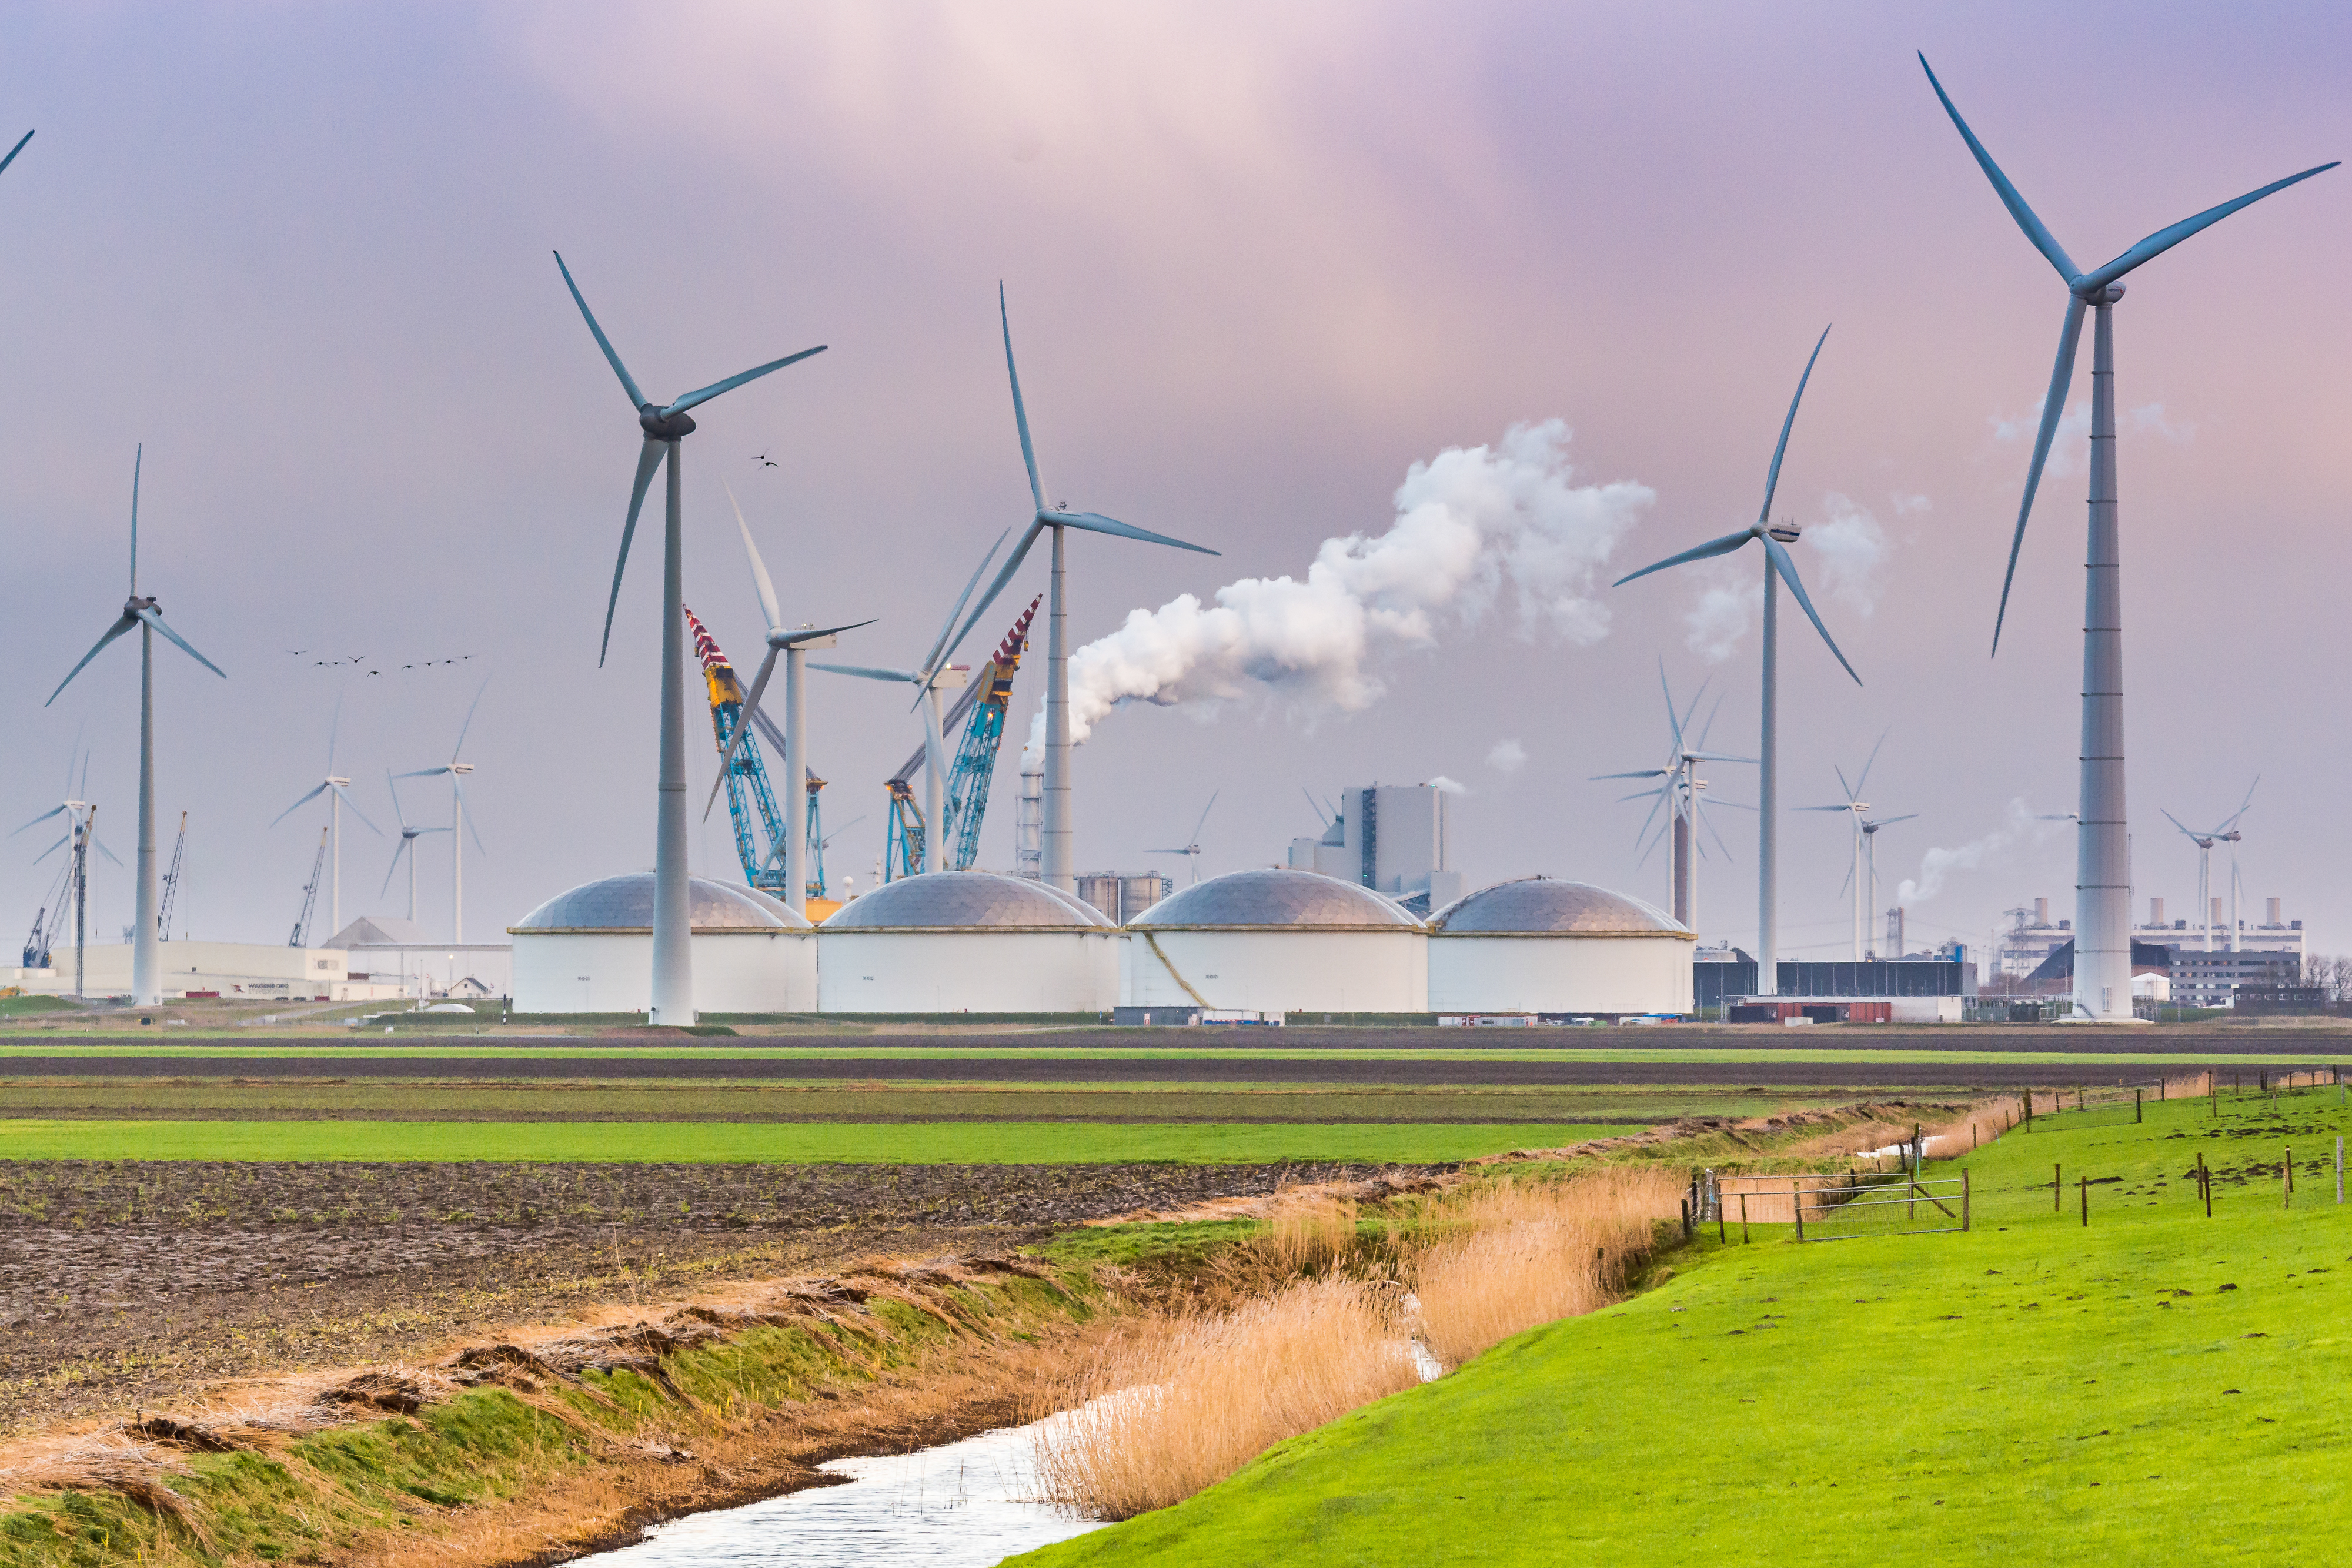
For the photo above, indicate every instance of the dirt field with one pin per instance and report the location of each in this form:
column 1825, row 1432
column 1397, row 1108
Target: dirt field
column 117, row 1280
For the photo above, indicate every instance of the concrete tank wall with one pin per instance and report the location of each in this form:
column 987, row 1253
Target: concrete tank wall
column 1277, row 971
column 978, row 971
column 748, row 971
column 1562, row 973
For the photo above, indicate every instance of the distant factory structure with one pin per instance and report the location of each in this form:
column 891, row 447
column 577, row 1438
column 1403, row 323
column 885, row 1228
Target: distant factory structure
column 2184, row 963
column 1391, row 838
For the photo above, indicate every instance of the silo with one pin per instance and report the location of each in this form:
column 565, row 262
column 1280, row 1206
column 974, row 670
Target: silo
column 1545, row 946
column 590, row 950
column 967, row 942
column 1277, row 941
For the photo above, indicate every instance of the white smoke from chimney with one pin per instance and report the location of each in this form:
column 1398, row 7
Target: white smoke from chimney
column 1938, row 864
column 1466, row 522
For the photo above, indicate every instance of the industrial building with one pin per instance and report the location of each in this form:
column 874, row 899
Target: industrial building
column 967, row 941
column 1543, row 946
column 2032, row 937
column 590, row 950
column 1277, row 941
column 236, row 972
column 1123, row 896
column 1391, row 838
column 396, row 957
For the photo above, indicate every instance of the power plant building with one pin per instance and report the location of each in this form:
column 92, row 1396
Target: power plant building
column 1545, row 946
column 1391, row 838
column 967, row 941
column 590, row 950
column 1277, row 941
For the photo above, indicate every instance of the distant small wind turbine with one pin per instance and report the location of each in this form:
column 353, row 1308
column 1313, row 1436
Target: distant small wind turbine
column 1192, row 850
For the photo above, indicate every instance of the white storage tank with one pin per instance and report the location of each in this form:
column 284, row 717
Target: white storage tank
column 1543, row 946
column 967, row 942
column 590, row 950
column 1277, row 941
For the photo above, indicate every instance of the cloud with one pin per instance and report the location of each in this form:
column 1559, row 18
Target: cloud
column 1907, row 505
column 1467, row 523
column 2019, row 824
column 1853, row 550
column 2070, row 447
column 1720, row 618
column 2148, row 420
column 1506, row 757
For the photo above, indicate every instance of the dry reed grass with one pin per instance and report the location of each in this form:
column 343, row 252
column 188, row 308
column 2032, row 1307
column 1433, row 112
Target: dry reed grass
column 1516, row 1254
column 1308, row 1236
column 1188, row 1401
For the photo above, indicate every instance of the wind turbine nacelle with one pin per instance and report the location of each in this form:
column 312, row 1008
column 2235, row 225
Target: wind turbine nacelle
column 664, row 427
column 1786, row 530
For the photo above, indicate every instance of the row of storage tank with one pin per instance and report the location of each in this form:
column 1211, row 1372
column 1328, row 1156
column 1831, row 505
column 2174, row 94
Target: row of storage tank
column 1270, row 941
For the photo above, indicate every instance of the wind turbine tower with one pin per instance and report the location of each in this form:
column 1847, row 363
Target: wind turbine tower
column 666, row 428
column 1777, row 568
column 2103, row 851
column 336, row 790
column 455, row 773
column 1862, row 874
column 146, row 960
column 2228, row 833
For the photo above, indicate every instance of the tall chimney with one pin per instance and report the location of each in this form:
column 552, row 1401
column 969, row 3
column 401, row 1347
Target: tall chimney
column 2217, row 916
column 2156, row 912
column 2041, row 912
column 2274, row 918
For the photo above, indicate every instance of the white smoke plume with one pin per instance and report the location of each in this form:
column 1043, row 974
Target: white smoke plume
column 1445, row 786
column 1851, row 548
column 2019, row 824
column 1466, row 522
column 1506, row 758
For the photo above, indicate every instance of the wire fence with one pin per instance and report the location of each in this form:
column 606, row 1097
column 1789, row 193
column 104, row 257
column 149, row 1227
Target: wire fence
column 1830, row 1206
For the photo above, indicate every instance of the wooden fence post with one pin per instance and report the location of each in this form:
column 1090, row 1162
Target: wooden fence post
column 2057, row 1189
column 2136, row 1114
column 2205, row 1184
column 2286, row 1181
column 2086, row 1199
column 1744, row 1237
column 1797, row 1198
column 2339, row 1167
column 1964, row 1198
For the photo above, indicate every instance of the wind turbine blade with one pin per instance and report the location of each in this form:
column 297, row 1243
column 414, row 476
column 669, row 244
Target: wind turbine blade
column 345, row 796
column 1851, row 792
column 1673, row 722
column 696, row 399
column 1888, row 822
column 457, row 785
column 1204, row 814
column 1708, row 727
column 99, row 845
column 771, row 608
column 811, row 633
column 1003, row 575
column 397, row 814
column 1821, row 808
column 2053, row 405
column 1643, row 773
column 1643, row 795
column 869, row 672
column 1849, row 878
column 931, row 660
column 648, row 458
column 16, row 149
column 425, row 772
column 153, row 619
column 2244, row 806
column 1863, row 782
column 1645, row 833
column 1716, row 756
column 768, row 727
column 469, row 718
column 121, row 625
column 1095, row 523
column 735, row 741
column 1708, row 822
column 628, row 383
column 2035, row 230
column 52, row 811
column 299, row 804
column 1772, row 479
column 334, row 727
column 1723, row 546
column 2170, row 818
column 2164, row 239
column 52, row 849
column 138, row 461
column 1020, row 413
column 1302, row 789
column 1778, row 555
column 400, row 850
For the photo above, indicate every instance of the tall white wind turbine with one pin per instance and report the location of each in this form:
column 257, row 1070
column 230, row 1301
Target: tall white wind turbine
column 456, row 771
column 336, row 790
column 930, row 679
column 664, row 427
column 1777, row 568
column 794, row 642
column 146, row 962
column 1192, row 850
column 409, row 833
column 1682, row 791
column 1060, row 860
column 1862, row 875
column 2103, row 852
column 2205, row 839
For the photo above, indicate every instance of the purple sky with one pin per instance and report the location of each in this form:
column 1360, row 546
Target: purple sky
column 1262, row 260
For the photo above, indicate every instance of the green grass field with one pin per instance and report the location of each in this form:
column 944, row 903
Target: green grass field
column 2158, row 1386
column 893, row 1142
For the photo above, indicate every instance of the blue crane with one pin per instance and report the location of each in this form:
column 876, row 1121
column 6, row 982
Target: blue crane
column 986, row 702
column 750, row 802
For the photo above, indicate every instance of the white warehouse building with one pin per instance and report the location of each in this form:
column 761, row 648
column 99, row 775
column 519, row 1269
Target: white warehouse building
column 1543, row 946
column 967, row 941
column 590, row 950
column 1277, row 941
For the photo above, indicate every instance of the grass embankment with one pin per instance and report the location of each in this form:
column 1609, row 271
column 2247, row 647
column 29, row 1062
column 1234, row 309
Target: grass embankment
column 2154, row 1385
column 794, row 1143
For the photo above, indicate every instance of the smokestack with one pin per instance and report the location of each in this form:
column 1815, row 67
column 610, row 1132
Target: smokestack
column 2216, row 915
column 2156, row 912
column 2041, row 912
column 2273, row 917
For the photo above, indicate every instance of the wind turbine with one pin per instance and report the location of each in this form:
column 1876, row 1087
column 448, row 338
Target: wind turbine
column 1191, row 851
column 1058, row 861
column 147, row 615
column 934, row 676
column 409, row 834
column 1862, row 874
column 1775, row 539
column 794, row 642
column 2226, row 833
column 2103, row 854
column 664, row 428
column 455, row 773
column 1681, row 787
column 336, row 790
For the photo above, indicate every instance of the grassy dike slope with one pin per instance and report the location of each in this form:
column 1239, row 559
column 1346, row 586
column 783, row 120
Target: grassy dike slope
column 2032, row 1392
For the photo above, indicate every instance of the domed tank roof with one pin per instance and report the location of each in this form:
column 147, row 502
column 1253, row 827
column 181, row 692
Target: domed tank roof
column 966, row 901
column 1276, row 899
column 625, row 903
column 1543, row 906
